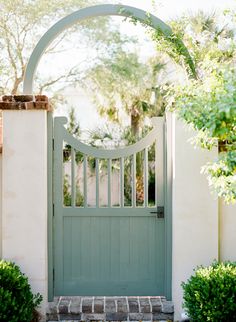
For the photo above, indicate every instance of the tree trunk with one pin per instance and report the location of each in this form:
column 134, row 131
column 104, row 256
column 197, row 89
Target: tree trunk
column 135, row 122
column 16, row 85
column 135, row 129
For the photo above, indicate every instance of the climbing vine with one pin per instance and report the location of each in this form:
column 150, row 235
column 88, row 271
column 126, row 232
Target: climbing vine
column 171, row 42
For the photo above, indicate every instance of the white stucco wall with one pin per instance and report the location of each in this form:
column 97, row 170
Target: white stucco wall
column 227, row 231
column 24, row 191
column 0, row 205
column 195, row 212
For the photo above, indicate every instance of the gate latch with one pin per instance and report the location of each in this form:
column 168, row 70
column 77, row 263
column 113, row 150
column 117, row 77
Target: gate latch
column 160, row 212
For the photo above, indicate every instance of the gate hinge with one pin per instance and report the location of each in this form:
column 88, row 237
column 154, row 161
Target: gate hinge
column 53, row 274
column 53, row 210
column 53, row 144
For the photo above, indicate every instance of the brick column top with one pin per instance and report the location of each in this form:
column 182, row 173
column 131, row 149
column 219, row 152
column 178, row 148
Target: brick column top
column 1, row 134
column 25, row 102
column 22, row 102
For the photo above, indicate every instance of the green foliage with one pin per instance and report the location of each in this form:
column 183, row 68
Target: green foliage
column 66, row 191
column 79, row 199
column 17, row 303
column 222, row 176
column 172, row 44
column 205, row 38
column 209, row 106
column 73, row 125
column 73, row 128
column 168, row 42
column 210, row 294
column 123, row 83
column 208, row 103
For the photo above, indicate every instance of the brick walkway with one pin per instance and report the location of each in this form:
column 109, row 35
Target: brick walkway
column 110, row 309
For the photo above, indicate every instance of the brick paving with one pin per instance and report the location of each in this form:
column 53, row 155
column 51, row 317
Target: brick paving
column 135, row 308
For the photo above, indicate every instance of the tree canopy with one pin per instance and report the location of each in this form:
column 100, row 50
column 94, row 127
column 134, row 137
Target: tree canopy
column 19, row 33
column 208, row 104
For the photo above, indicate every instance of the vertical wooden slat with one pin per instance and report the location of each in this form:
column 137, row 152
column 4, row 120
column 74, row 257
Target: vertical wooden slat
column 156, row 173
column 159, row 163
column 146, row 177
column 58, row 202
column 134, row 180
column 97, row 183
column 109, row 181
column 85, row 181
column 73, row 186
column 50, row 204
column 122, row 182
column 168, row 177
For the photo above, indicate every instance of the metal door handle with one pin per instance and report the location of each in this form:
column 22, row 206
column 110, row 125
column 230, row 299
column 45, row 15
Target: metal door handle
column 160, row 212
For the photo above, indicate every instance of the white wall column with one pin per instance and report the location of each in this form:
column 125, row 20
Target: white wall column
column 24, row 191
column 195, row 212
column 1, row 204
column 227, row 231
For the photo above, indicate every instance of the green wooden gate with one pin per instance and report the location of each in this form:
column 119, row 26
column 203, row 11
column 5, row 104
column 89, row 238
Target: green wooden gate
column 108, row 247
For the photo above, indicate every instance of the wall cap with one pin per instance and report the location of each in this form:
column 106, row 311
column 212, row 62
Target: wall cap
column 25, row 102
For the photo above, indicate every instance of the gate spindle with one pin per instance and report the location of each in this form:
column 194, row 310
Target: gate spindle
column 122, row 182
column 109, row 182
column 97, row 182
column 73, row 188
column 85, row 181
column 134, row 180
column 146, row 177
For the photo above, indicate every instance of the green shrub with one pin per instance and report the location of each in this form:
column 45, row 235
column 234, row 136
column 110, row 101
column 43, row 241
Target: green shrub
column 210, row 294
column 17, row 303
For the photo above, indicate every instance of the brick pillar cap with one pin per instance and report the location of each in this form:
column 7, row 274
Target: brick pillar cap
column 25, row 102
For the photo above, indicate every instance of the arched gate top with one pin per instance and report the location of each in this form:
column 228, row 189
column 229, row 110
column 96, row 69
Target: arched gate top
column 80, row 15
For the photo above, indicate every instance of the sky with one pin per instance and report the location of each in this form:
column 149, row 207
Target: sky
column 165, row 10
column 171, row 8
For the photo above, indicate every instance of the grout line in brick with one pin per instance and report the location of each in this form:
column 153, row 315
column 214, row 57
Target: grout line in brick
column 127, row 303
column 116, row 304
column 161, row 305
column 69, row 307
column 150, row 303
column 139, row 306
column 81, row 305
column 93, row 305
column 58, row 304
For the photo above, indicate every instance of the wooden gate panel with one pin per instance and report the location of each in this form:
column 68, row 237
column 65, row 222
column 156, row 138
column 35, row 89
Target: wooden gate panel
column 109, row 250
column 115, row 256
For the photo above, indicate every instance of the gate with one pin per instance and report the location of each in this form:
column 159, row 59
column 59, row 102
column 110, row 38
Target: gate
column 106, row 244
